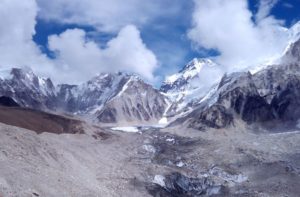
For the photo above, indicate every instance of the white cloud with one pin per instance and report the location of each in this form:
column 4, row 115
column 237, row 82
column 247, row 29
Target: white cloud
column 17, row 21
column 288, row 5
column 265, row 7
column 81, row 58
column 227, row 26
column 128, row 52
column 106, row 15
column 78, row 58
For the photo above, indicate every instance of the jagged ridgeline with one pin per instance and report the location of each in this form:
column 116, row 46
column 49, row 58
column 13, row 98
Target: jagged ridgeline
column 269, row 97
column 106, row 98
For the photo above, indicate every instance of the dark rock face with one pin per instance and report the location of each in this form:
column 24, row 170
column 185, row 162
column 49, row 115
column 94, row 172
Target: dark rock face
column 272, row 94
column 214, row 117
column 236, row 96
column 286, row 103
column 278, row 89
column 255, row 109
column 268, row 96
column 8, row 102
column 244, row 100
column 280, row 86
column 178, row 185
column 108, row 116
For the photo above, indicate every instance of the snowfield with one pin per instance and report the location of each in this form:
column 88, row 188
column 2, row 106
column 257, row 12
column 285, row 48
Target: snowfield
column 126, row 129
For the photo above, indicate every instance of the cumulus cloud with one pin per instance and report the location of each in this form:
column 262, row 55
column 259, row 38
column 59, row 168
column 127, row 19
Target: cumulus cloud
column 77, row 58
column 265, row 7
column 80, row 58
column 106, row 15
column 17, row 20
column 228, row 27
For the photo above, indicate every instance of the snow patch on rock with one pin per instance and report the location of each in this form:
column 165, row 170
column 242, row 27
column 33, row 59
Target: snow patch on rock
column 126, row 129
column 159, row 180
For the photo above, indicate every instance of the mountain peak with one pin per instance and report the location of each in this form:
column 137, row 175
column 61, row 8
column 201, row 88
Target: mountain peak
column 5, row 74
column 197, row 64
column 24, row 72
column 188, row 73
column 292, row 53
column 294, row 32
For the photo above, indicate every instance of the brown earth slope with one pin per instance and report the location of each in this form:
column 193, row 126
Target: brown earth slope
column 39, row 121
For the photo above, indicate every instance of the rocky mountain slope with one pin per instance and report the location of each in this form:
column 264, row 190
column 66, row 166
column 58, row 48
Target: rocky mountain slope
column 27, row 89
column 137, row 102
column 190, row 85
column 199, row 95
column 124, row 95
column 189, row 77
column 269, row 97
column 91, row 95
column 202, row 94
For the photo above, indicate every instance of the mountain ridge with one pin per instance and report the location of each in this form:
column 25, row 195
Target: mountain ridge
column 200, row 95
column 88, row 99
column 268, row 98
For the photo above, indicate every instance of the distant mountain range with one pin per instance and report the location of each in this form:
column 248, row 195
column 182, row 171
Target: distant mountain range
column 107, row 98
column 267, row 97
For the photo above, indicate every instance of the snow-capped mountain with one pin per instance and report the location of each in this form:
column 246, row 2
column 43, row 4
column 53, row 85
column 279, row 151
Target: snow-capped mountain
column 137, row 102
column 292, row 53
column 199, row 95
column 191, row 77
column 27, row 89
column 294, row 32
column 190, row 85
column 128, row 97
column 197, row 85
column 269, row 97
column 92, row 95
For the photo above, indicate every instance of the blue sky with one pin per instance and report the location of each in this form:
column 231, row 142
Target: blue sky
column 161, row 33
column 287, row 10
column 165, row 36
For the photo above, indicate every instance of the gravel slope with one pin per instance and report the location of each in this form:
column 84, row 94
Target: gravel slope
column 101, row 162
